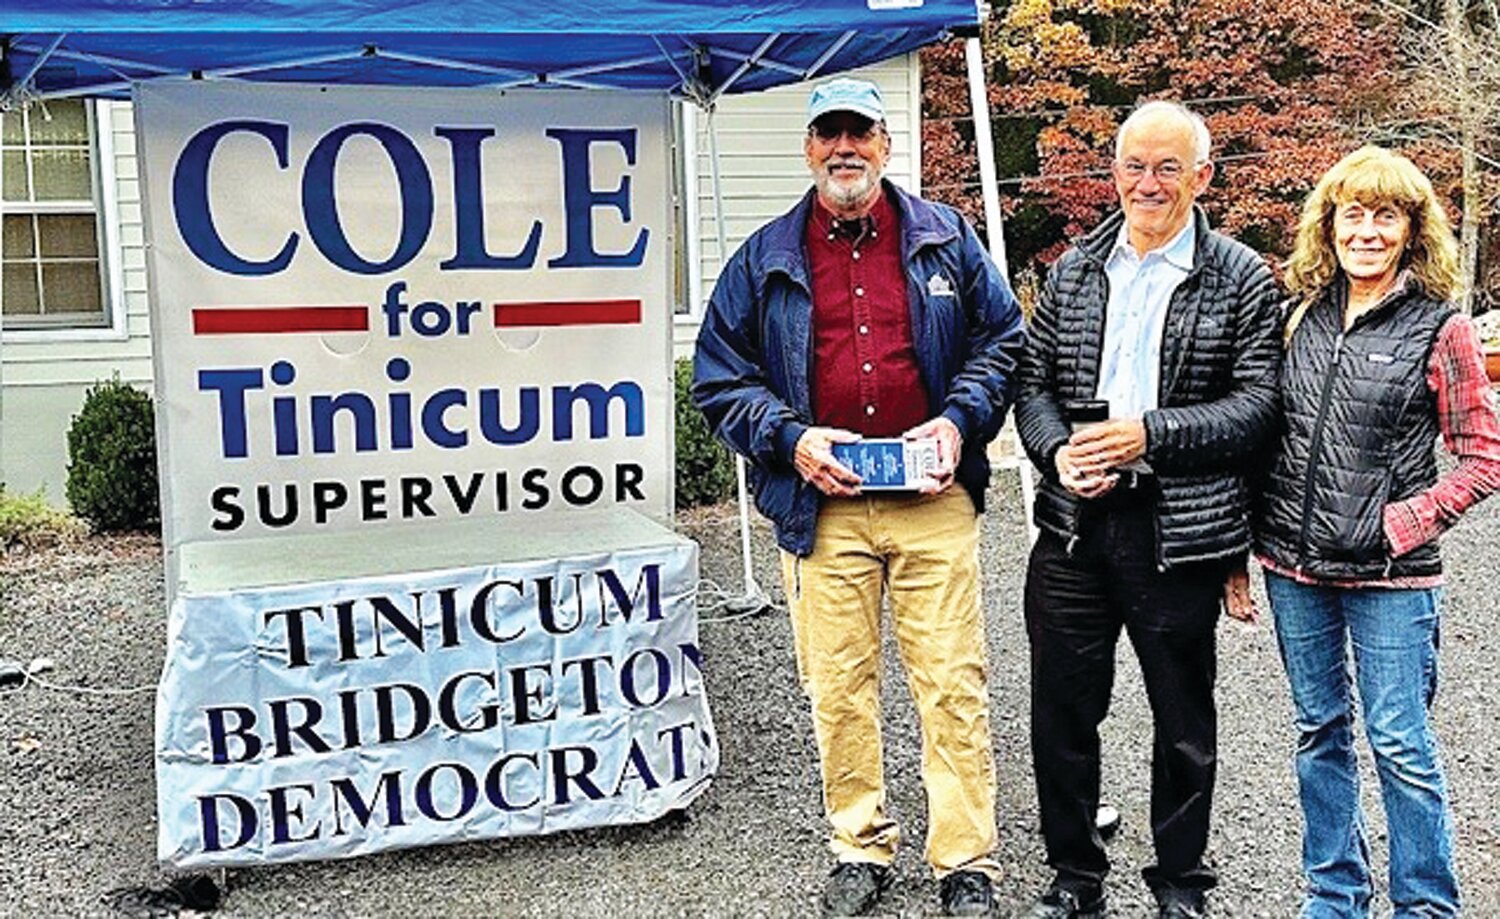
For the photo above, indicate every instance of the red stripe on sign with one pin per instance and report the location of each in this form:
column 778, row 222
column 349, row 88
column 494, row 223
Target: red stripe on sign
column 568, row 312
column 241, row 320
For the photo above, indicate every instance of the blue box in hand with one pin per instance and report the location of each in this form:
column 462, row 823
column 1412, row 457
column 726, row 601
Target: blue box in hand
column 889, row 463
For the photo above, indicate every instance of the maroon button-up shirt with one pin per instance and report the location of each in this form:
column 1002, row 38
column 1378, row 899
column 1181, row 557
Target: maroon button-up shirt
column 865, row 376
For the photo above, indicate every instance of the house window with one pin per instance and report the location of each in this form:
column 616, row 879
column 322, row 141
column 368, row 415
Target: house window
column 50, row 260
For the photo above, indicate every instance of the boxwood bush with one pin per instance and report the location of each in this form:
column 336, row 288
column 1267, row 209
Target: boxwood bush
column 112, row 459
column 705, row 469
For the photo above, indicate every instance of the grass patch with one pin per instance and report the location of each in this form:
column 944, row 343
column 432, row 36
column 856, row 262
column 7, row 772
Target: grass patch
column 27, row 521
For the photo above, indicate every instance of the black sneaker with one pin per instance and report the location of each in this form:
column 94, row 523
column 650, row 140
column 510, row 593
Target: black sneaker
column 1061, row 902
column 853, row 888
column 967, row 893
column 1180, row 903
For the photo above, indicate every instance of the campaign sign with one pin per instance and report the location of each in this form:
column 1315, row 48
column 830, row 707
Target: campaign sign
column 413, row 376
column 377, row 306
column 334, row 718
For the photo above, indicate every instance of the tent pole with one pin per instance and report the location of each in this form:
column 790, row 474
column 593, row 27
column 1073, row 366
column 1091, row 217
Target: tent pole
column 2, row 336
column 753, row 599
column 984, row 142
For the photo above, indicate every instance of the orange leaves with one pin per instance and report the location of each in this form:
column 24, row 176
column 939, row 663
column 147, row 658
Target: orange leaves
column 1286, row 87
column 1032, row 39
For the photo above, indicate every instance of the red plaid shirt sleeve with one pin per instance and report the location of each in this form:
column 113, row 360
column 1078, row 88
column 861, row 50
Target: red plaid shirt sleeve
column 1466, row 416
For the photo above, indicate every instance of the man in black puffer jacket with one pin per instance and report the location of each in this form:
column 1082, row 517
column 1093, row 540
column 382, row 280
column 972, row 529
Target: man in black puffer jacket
column 1176, row 327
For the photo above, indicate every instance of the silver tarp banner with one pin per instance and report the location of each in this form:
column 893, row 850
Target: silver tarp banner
column 341, row 717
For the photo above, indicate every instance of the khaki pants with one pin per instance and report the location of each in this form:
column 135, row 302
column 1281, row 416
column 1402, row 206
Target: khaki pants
column 924, row 552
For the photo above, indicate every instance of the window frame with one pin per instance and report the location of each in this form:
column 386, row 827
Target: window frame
column 101, row 120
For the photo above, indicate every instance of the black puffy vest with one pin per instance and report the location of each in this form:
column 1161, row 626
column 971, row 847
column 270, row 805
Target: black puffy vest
column 1360, row 424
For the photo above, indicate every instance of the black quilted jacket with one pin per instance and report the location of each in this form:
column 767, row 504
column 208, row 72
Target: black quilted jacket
column 1221, row 352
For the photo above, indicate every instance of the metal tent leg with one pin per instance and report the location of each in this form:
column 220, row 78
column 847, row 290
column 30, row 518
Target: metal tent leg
column 985, row 146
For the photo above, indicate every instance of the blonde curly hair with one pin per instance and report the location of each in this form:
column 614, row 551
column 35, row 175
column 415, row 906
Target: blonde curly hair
column 1374, row 176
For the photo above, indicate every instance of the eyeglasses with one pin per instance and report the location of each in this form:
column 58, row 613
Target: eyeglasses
column 828, row 132
column 1167, row 171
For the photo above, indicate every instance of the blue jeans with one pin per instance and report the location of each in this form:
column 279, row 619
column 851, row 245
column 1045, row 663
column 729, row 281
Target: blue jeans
column 1394, row 634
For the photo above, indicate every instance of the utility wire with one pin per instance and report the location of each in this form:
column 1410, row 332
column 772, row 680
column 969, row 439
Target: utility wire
column 1123, row 107
column 1101, row 172
column 1104, row 171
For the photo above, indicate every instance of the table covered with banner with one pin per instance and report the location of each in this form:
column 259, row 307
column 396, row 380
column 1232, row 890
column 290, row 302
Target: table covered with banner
column 321, row 699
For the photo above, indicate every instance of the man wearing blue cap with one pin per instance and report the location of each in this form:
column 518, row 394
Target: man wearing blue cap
column 868, row 312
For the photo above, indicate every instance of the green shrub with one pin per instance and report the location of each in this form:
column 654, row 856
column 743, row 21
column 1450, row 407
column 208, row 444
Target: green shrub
column 29, row 521
column 112, row 459
column 705, row 469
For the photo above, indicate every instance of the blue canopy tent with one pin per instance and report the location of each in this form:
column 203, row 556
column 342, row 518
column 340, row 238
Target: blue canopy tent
column 692, row 49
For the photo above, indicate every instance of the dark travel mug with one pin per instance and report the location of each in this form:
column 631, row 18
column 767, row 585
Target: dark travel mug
column 1081, row 413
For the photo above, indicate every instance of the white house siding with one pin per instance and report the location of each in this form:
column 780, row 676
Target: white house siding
column 43, row 375
column 762, row 169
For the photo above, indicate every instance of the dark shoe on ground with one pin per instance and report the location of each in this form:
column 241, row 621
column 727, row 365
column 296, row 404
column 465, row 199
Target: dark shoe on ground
column 967, row 893
column 1180, row 903
column 1060, row 902
column 853, row 888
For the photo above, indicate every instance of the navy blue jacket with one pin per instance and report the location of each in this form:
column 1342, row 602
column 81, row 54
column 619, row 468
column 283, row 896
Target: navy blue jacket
column 754, row 354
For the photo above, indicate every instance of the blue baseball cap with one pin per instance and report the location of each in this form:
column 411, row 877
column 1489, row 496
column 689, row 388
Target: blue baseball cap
column 846, row 94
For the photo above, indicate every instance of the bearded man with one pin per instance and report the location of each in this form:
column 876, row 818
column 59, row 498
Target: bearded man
column 868, row 312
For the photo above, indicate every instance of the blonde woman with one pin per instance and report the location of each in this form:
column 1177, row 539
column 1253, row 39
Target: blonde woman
column 1378, row 364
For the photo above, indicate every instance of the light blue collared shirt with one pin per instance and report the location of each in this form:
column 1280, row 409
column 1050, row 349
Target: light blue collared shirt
column 1140, row 287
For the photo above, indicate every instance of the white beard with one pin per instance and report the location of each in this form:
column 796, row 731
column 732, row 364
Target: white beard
column 847, row 194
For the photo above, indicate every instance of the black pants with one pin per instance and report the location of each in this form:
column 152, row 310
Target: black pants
column 1075, row 607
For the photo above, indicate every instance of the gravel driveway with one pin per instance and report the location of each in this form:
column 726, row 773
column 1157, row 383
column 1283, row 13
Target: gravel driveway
column 77, row 794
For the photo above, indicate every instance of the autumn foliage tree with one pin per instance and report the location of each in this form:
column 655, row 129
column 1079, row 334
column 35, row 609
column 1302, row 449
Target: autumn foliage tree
column 949, row 169
column 1449, row 113
column 1286, row 88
